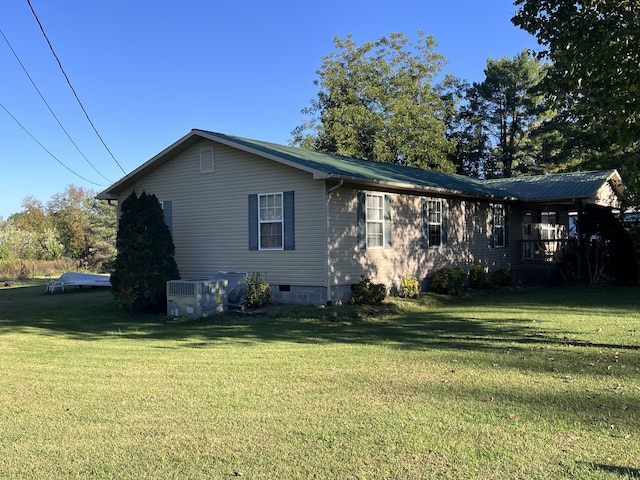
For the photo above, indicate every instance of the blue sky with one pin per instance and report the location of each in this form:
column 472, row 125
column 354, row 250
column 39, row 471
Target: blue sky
column 148, row 72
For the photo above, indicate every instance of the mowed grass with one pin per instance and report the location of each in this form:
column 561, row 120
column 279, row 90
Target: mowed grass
column 541, row 383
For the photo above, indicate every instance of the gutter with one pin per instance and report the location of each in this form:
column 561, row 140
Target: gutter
column 421, row 189
column 328, row 237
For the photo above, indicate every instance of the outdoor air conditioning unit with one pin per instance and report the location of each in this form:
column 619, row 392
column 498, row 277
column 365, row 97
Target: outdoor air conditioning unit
column 196, row 298
column 205, row 296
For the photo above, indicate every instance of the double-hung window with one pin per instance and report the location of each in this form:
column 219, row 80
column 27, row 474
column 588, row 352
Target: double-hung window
column 271, row 221
column 375, row 221
column 433, row 218
column 548, row 227
column 434, row 222
column 499, row 226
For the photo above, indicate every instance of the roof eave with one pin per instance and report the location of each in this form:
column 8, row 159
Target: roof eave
column 276, row 158
column 153, row 162
column 571, row 200
column 419, row 188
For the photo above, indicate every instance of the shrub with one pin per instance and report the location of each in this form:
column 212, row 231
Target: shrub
column 502, row 277
column 478, row 276
column 258, row 291
column 409, row 287
column 367, row 293
column 145, row 259
column 449, row 281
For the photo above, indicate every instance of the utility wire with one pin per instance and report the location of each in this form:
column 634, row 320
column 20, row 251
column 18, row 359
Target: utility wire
column 71, row 86
column 45, row 149
column 49, row 107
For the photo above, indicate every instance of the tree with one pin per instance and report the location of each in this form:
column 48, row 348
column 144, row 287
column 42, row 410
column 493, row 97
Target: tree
column 70, row 213
column 594, row 78
column 145, row 260
column 376, row 102
column 102, row 235
column 19, row 243
column 73, row 224
column 498, row 115
column 32, row 217
column 608, row 247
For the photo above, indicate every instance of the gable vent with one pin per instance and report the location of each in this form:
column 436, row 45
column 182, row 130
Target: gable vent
column 206, row 160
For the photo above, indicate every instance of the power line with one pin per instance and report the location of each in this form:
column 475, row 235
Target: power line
column 49, row 107
column 45, row 149
column 71, row 86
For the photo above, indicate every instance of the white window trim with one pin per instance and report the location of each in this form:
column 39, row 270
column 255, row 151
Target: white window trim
column 496, row 225
column 429, row 222
column 281, row 221
column 380, row 222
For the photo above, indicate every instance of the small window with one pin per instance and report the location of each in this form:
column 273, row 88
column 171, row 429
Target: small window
column 498, row 226
column 271, row 221
column 375, row 221
column 206, row 160
column 433, row 218
column 573, row 225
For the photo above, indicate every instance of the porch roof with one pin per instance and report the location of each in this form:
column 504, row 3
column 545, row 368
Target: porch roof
column 559, row 186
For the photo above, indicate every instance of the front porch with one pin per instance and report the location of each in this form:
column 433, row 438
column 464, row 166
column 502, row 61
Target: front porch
column 548, row 251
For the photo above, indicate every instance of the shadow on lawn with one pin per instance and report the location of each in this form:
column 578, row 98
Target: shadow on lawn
column 624, row 472
column 91, row 314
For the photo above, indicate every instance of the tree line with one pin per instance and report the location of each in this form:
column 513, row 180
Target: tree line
column 72, row 224
column 571, row 106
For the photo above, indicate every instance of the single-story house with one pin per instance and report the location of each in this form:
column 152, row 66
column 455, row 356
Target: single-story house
column 313, row 224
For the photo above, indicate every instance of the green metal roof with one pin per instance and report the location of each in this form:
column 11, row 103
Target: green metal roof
column 573, row 185
column 347, row 168
column 557, row 187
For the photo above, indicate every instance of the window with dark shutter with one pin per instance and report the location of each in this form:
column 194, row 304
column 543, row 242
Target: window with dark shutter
column 167, row 210
column 373, row 218
column 272, row 221
column 434, row 222
column 498, row 227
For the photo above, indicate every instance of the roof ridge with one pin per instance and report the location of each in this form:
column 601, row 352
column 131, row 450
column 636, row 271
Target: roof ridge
column 323, row 165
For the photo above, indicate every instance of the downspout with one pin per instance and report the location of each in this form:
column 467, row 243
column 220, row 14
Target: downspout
column 328, row 237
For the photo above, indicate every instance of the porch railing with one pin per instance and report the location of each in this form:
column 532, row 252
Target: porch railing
column 550, row 251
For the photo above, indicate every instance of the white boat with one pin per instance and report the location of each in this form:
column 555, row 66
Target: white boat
column 76, row 279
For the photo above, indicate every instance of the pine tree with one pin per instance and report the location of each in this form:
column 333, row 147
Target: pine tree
column 145, row 260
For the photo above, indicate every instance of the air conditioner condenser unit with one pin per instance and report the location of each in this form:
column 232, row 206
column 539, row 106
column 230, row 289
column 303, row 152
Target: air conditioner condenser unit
column 196, row 298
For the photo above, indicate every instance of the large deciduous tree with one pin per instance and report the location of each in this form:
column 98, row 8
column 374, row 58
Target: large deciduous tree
column 33, row 216
column 70, row 213
column 145, row 260
column 377, row 102
column 87, row 228
column 594, row 78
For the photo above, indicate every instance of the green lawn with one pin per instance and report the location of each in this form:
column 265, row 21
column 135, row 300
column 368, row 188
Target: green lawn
column 496, row 385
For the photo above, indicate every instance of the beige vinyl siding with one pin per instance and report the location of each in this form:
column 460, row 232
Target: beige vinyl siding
column 606, row 196
column 468, row 239
column 210, row 215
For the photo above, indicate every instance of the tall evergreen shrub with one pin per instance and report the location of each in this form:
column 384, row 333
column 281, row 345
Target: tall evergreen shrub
column 145, row 259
